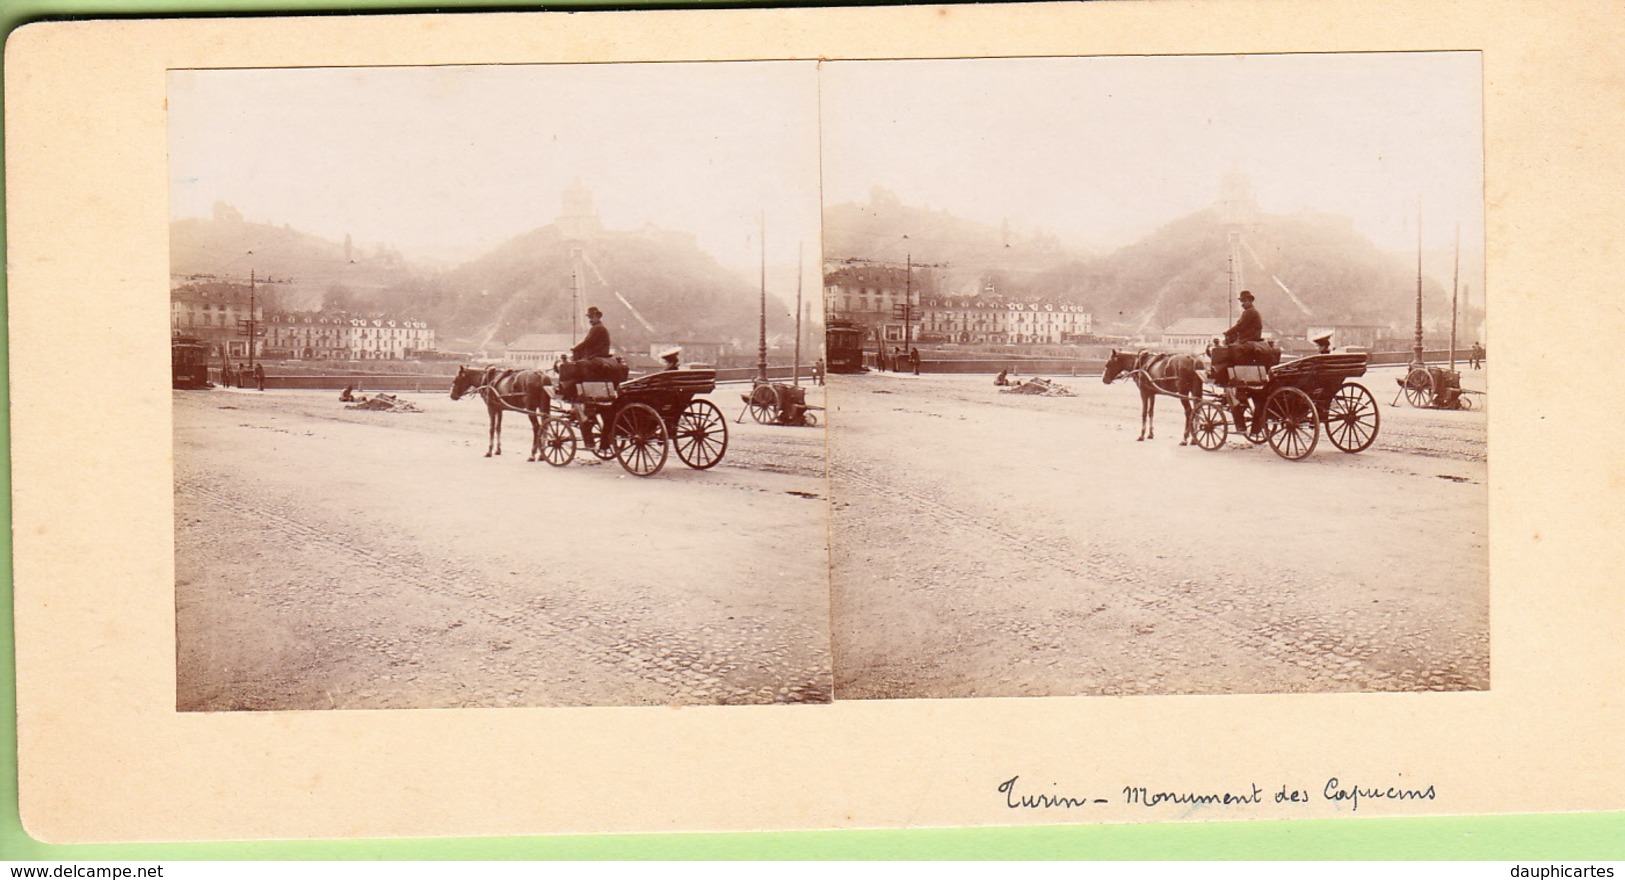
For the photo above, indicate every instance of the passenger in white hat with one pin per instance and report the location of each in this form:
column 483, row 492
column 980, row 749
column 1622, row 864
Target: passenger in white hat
column 670, row 356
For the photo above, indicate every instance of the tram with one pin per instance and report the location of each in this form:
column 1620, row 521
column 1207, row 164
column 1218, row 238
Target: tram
column 843, row 346
column 189, row 362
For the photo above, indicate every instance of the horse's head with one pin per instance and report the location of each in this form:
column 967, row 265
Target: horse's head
column 1115, row 365
column 466, row 378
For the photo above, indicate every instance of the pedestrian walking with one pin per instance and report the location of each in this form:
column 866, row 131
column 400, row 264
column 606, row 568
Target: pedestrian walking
column 259, row 377
column 914, row 358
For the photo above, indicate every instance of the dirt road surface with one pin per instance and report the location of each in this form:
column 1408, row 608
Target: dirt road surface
column 990, row 544
column 332, row 558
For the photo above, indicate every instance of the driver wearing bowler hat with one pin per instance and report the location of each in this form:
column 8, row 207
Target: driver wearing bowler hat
column 596, row 345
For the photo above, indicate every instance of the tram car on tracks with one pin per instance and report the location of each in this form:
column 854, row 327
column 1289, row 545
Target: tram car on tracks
column 843, row 346
column 189, row 362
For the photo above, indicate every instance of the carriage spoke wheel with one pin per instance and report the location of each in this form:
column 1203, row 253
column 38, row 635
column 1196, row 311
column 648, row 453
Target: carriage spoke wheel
column 764, row 404
column 1419, row 387
column 702, row 434
column 1212, row 424
column 558, row 442
column 1290, row 423
column 597, row 447
column 1352, row 418
column 640, row 440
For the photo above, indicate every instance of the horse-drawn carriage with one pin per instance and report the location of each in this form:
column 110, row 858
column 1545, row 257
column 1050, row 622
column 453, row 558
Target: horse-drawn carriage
column 1292, row 401
column 1434, row 388
column 775, row 403
column 1297, row 399
column 637, row 422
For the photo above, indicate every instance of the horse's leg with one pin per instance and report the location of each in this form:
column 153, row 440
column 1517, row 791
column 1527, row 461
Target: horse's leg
column 1190, row 431
column 535, row 439
column 1150, row 416
column 493, row 444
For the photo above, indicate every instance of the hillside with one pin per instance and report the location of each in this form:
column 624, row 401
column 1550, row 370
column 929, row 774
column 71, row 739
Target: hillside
column 522, row 286
column 884, row 228
column 1305, row 268
column 312, row 270
column 525, row 286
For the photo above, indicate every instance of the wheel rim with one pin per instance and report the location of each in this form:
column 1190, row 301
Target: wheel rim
column 640, row 440
column 1352, row 418
column 1418, row 388
column 558, row 442
column 702, row 435
column 1212, row 428
column 1290, row 424
column 764, row 404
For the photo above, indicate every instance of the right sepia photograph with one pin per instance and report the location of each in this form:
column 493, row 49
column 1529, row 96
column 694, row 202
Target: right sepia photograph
column 1156, row 375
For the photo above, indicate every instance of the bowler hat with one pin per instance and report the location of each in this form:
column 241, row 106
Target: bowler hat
column 1247, row 294
column 592, row 312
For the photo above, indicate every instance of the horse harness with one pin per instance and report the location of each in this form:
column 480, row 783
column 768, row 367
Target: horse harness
column 1142, row 373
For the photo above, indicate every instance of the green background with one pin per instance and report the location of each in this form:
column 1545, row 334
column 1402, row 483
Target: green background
column 1543, row 838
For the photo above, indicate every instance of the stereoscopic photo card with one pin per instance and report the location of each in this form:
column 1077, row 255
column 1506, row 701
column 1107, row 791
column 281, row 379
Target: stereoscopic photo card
column 739, row 420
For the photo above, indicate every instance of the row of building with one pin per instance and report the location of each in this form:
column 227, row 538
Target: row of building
column 225, row 315
column 875, row 298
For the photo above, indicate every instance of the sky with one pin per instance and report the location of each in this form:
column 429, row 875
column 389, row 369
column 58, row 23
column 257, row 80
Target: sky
column 1105, row 150
column 460, row 159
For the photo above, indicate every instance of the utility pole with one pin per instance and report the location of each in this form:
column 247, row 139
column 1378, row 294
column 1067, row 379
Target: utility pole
column 761, row 348
column 1455, row 292
column 1416, row 353
column 575, row 293
column 908, row 300
column 795, row 375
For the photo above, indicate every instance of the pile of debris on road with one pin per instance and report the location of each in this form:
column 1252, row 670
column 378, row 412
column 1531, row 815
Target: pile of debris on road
column 384, row 403
column 1040, row 386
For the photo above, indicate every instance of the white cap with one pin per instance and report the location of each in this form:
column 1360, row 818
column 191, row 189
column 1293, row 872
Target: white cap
column 672, row 352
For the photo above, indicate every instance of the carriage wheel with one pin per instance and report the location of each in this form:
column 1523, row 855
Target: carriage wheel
column 1291, row 424
column 1352, row 418
column 1419, row 387
column 1211, row 424
column 640, row 440
column 558, row 442
column 702, row 434
column 1464, row 402
column 764, row 404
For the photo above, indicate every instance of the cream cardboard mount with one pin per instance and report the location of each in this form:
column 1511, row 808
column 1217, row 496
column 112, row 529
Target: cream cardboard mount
column 104, row 755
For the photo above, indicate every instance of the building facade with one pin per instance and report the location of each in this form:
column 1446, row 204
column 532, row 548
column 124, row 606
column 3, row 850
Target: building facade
column 1193, row 334
column 538, row 351
column 218, row 313
column 321, row 335
column 873, row 296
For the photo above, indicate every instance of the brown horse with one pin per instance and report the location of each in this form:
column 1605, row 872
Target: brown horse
column 519, row 390
column 1159, row 373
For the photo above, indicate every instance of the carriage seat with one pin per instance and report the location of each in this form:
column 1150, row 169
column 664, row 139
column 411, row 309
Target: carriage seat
column 574, row 377
column 594, row 391
column 1254, row 355
column 1250, row 374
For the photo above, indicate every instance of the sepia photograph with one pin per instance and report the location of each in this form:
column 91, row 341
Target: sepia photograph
column 497, row 386
column 1029, row 419
column 1157, row 375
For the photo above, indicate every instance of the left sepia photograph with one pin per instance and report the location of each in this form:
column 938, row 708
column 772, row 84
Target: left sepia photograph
column 498, row 386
